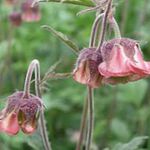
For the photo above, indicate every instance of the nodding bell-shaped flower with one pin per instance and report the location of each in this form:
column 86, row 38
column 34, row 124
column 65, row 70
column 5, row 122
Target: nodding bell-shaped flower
column 22, row 112
column 122, row 61
column 86, row 69
column 30, row 13
column 15, row 18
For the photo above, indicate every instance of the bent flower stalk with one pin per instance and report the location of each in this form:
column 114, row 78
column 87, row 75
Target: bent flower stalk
column 22, row 110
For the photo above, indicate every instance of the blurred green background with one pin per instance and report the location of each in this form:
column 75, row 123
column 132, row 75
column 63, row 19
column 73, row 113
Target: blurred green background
column 121, row 112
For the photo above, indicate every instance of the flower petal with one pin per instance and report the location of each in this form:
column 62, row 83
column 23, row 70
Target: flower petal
column 9, row 124
column 140, row 66
column 29, row 127
column 118, row 65
column 81, row 73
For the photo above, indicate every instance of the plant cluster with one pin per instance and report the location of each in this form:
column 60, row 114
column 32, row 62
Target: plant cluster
column 118, row 60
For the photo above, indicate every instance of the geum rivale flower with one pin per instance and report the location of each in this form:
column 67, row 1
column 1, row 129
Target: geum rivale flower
column 21, row 112
column 86, row 69
column 122, row 61
column 30, row 13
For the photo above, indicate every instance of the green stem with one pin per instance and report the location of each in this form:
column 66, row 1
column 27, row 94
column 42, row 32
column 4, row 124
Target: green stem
column 91, row 118
column 94, row 31
column 103, row 29
column 83, row 124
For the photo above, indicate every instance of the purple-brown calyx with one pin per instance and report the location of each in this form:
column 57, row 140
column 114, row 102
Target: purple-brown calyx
column 86, row 70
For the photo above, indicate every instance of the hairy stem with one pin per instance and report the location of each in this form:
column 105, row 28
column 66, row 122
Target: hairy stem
column 27, row 83
column 87, row 101
column 35, row 67
column 103, row 28
column 90, row 118
column 42, row 122
column 83, row 124
column 94, row 31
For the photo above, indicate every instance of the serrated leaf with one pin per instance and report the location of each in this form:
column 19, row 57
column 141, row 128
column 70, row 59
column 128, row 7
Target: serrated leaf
column 63, row 38
column 132, row 145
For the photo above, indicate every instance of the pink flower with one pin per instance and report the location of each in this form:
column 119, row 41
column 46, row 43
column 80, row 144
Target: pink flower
column 86, row 70
column 122, row 61
column 20, row 113
column 30, row 13
column 15, row 19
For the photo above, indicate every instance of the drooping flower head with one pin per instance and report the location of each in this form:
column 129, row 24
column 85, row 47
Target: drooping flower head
column 30, row 13
column 122, row 61
column 15, row 18
column 86, row 69
column 21, row 112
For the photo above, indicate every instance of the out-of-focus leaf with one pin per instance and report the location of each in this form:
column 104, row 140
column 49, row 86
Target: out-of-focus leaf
column 132, row 92
column 132, row 145
column 54, row 104
column 3, row 48
column 120, row 129
column 62, row 37
column 35, row 141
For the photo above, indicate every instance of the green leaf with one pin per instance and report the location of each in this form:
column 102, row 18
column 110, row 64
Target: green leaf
column 130, row 92
column 63, row 37
column 35, row 141
column 124, row 132
column 75, row 2
column 132, row 145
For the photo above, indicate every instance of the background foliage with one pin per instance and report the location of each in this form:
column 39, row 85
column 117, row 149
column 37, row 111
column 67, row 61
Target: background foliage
column 122, row 112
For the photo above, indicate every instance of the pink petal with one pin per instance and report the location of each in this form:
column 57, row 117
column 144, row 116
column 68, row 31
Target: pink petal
column 87, row 73
column 29, row 127
column 81, row 73
column 140, row 66
column 118, row 65
column 9, row 124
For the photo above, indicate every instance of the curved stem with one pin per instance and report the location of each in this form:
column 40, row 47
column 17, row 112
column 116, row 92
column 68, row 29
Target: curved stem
column 91, row 117
column 102, row 35
column 42, row 122
column 115, row 27
column 35, row 67
column 94, row 30
column 83, row 124
column 27, row 83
